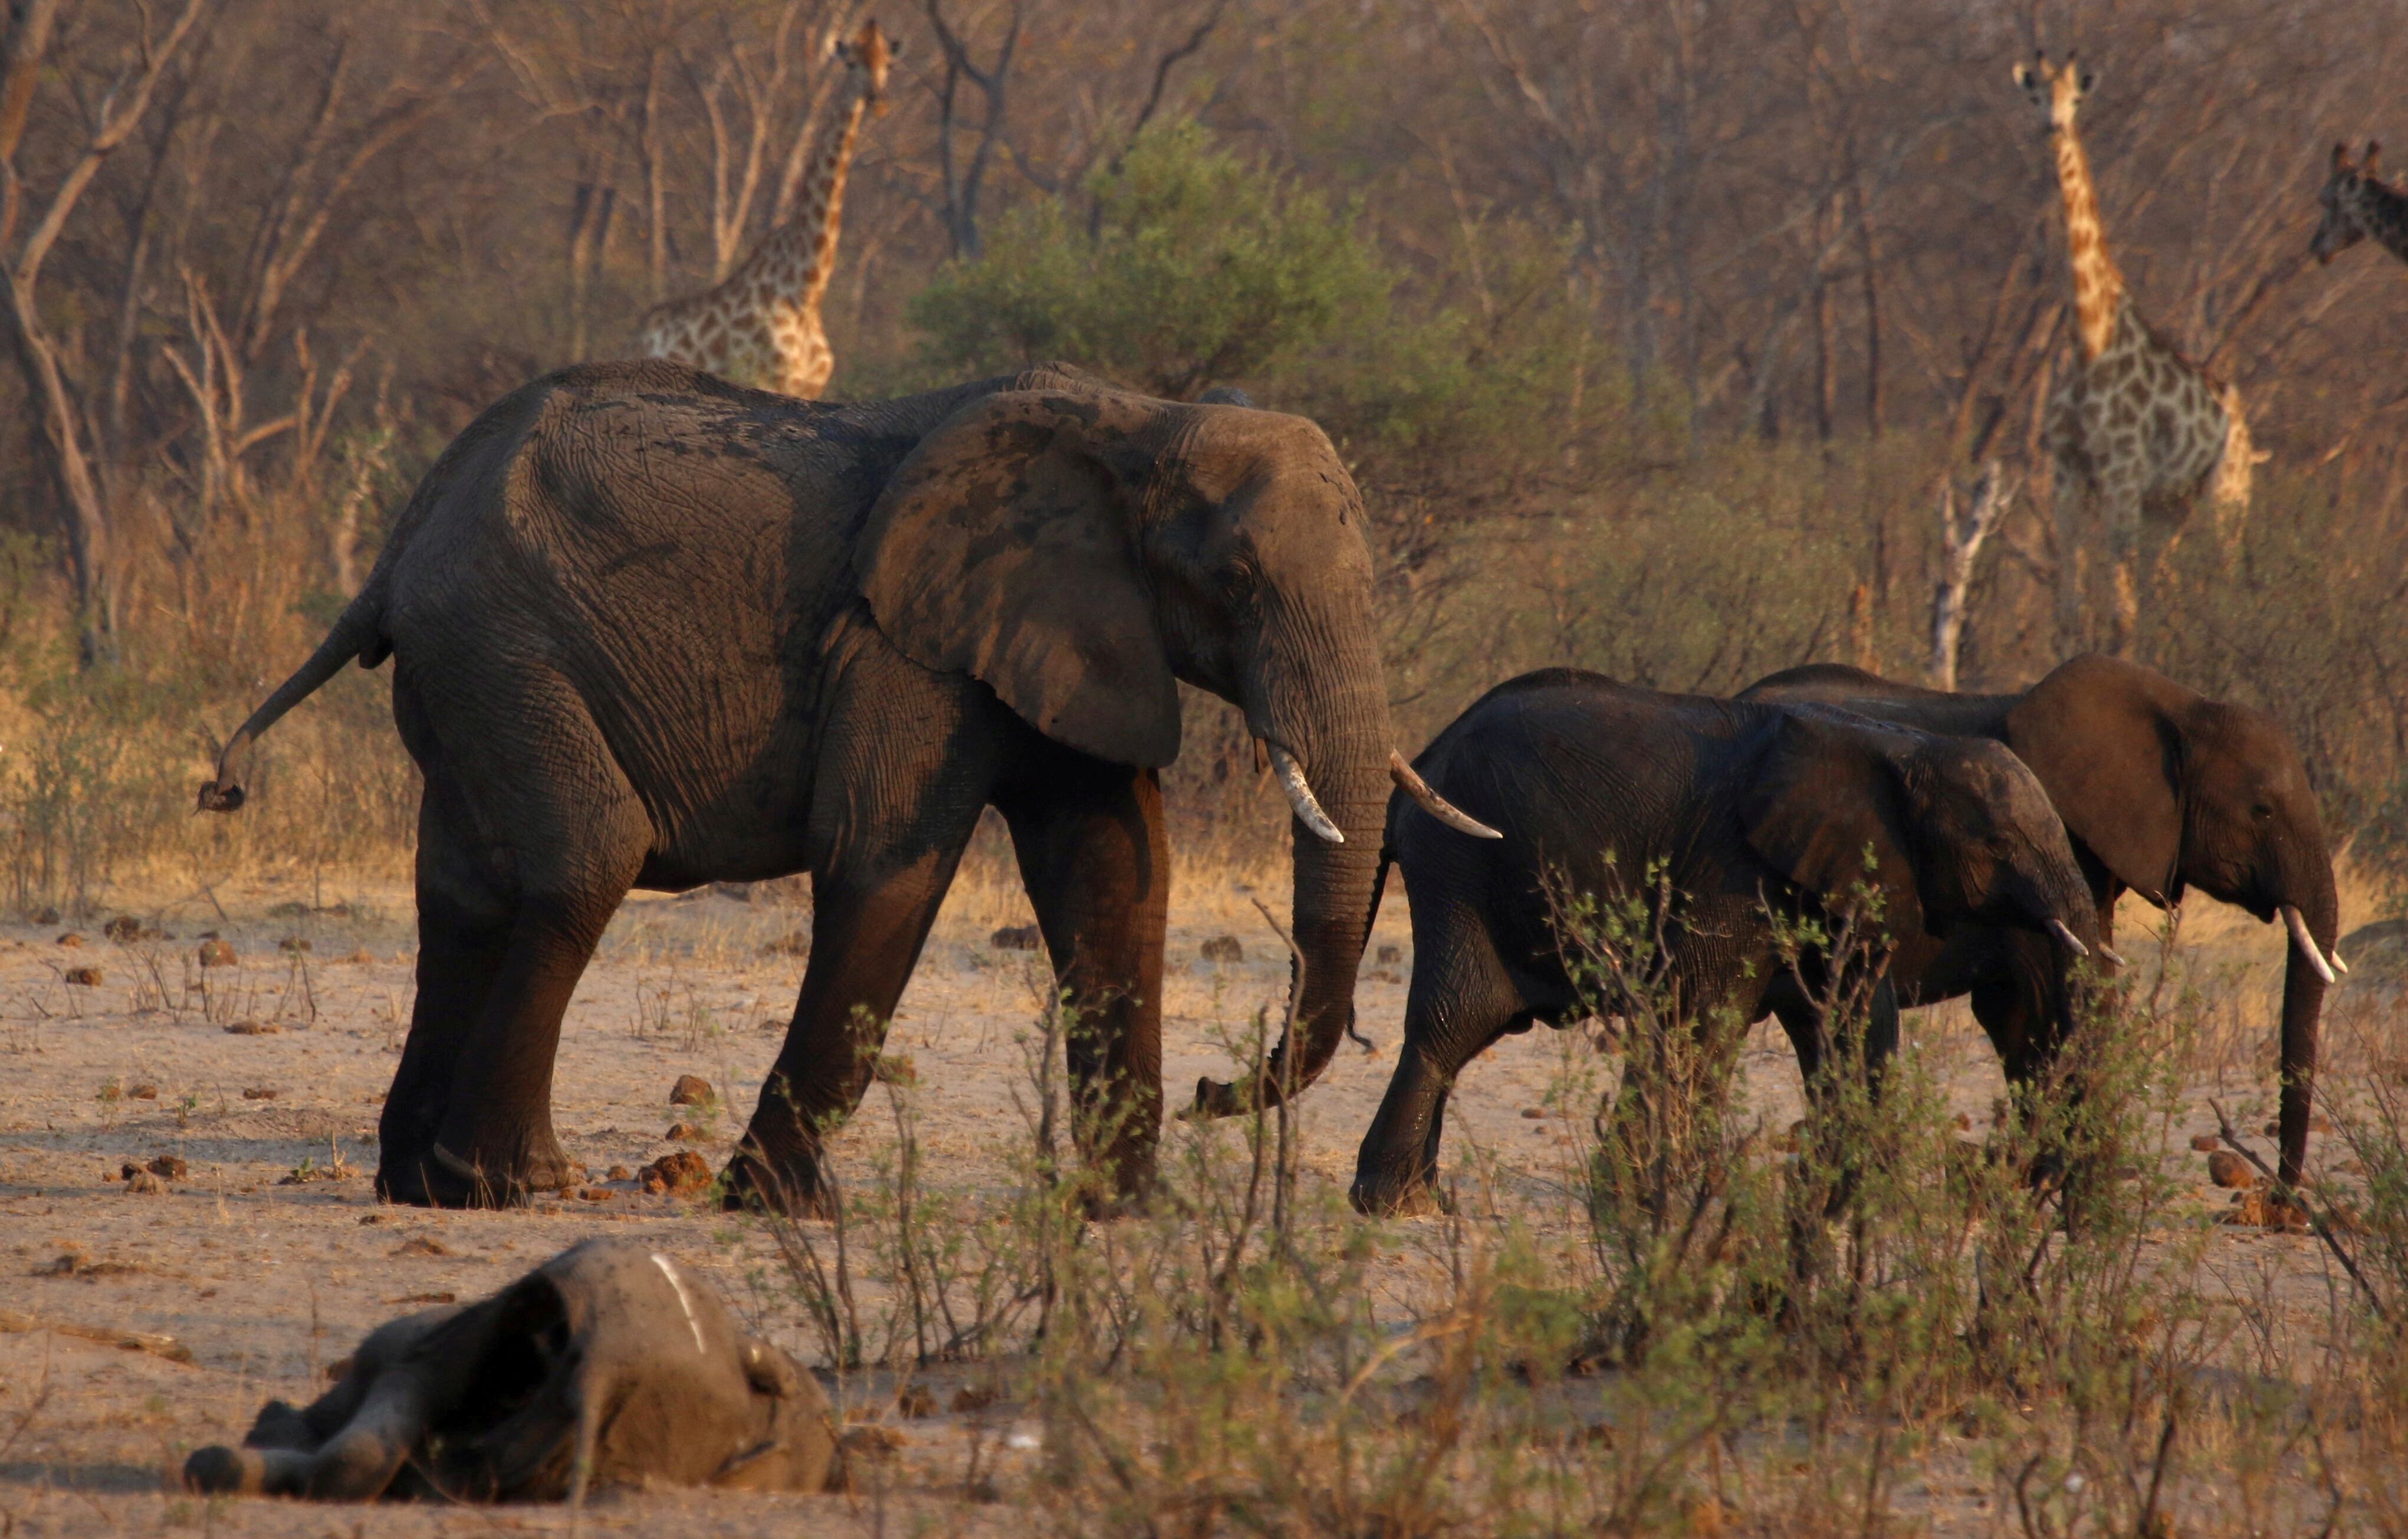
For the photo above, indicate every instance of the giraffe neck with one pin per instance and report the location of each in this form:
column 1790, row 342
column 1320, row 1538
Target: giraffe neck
column 2097, row 285
column 818, row 208
column 2382, row 211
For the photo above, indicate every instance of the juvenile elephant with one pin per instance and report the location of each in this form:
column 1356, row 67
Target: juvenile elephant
column 2162, row 789
column 607, row 1365
column 652, row 630
column 1746, row 807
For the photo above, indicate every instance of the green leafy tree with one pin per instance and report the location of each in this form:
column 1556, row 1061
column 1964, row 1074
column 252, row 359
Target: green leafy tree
column 1184, row 266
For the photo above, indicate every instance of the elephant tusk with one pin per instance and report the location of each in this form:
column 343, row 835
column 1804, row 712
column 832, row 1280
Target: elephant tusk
column 2072, row 942
column 2107, row 952
column 2306, row 943
column 1431, row 802
column 1299, row 795
column 2338, row 965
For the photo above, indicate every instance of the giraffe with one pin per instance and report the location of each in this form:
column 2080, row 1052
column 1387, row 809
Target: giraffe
column 2136, row 428
column 761, row 326
column 2358, row 202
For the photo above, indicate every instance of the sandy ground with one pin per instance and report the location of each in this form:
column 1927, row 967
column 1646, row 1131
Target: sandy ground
column 264, row 1272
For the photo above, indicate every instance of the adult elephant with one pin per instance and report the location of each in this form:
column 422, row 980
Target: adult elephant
column 1741, row 811
column 652, row 629
column 2162, row 789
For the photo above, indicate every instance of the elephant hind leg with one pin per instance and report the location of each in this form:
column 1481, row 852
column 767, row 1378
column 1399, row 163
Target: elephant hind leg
column 540, row 835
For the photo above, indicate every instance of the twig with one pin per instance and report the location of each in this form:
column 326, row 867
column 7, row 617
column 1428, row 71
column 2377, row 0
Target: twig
column 2290, row 1197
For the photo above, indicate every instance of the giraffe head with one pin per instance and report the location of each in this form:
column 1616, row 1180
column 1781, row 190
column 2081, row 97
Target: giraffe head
column 868, row 54
column 2344, row 199
column 2056, row 89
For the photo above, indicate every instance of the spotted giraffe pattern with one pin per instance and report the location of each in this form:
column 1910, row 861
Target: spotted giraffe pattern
column 2135, row 428
column 2358, row 204
column 761, row 326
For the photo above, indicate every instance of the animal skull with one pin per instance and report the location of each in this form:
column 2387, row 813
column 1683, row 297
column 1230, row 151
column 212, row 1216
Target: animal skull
column 607, row 1364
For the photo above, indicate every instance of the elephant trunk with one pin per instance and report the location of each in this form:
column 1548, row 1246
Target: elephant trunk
column 1329, row 726
column 2305, row 977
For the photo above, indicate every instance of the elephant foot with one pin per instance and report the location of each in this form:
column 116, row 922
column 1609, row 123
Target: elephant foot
column 439, row 1178
column 789, row 1187
column 1410, row 1200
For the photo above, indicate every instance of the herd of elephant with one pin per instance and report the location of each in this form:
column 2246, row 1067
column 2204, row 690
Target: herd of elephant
column 654, row 629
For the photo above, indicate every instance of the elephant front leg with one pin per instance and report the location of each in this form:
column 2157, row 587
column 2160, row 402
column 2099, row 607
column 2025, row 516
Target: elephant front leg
column 866, row 933
column 1096, row 862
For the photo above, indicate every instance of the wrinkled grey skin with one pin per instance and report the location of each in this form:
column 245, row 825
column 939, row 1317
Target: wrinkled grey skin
column 1745, row 805
column 2162, row 789
column 608, row 1365
column 652, row 630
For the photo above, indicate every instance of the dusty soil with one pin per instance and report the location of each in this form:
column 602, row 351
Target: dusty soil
column 267, row 1257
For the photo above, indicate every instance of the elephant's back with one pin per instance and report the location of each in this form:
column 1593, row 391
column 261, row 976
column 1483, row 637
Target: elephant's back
column 1583, row 775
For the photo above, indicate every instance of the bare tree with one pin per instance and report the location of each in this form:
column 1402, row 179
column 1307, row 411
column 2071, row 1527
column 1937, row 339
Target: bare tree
column 105, row 123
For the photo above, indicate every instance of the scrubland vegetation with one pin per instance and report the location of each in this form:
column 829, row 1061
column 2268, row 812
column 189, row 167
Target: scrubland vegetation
column 1653, row 336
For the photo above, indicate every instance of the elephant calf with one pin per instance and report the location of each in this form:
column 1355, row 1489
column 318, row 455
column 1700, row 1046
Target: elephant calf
column 606, row 1365
column 1744, row 809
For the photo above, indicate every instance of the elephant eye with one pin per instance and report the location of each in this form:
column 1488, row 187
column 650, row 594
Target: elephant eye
column 2261, row 812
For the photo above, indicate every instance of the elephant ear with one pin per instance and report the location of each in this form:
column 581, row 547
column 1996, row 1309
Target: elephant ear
column 2101, row 737
column 1006, row 548
column 1825, row 794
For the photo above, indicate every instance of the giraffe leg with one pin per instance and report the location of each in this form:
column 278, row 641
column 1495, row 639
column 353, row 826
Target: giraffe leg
column 2120, row 501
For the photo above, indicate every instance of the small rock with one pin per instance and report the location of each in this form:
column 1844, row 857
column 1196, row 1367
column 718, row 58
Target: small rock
column 2205, row 1142
column 288, row 911
column 1392, row 953
column 372, row 1219
column 294, row 943
column 209, row 935
column 123, row 927
column 144, row 1183
column 1963, row 1123
column 595, row 1194
column 355, row 955
column 70, row 939
column 682, row 1171
column 1015, row 938
column 260, row 1092
column 110, row 1092
column 692, row 1090
column 111, row 1175
column 214, row 953
column 83, row 977
column 915, row 1402
column 1534, row 1113
column 46, row 916
column 620, row 1173
column 1222, row 948
column 422, row 1246
column 2230, row 1170
column 170, row 1166
column 895, row 1069
column 682, row 1132
column 143, row 1092
column 970, row 1398
column 253, row 1028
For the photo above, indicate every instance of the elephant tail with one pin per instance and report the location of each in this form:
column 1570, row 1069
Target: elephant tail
column 359, row 632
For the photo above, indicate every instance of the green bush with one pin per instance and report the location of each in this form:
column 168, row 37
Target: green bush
column 1181, row 266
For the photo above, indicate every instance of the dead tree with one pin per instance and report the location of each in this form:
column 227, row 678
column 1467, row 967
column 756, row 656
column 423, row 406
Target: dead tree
column 43, row 357
column 1961, row 542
